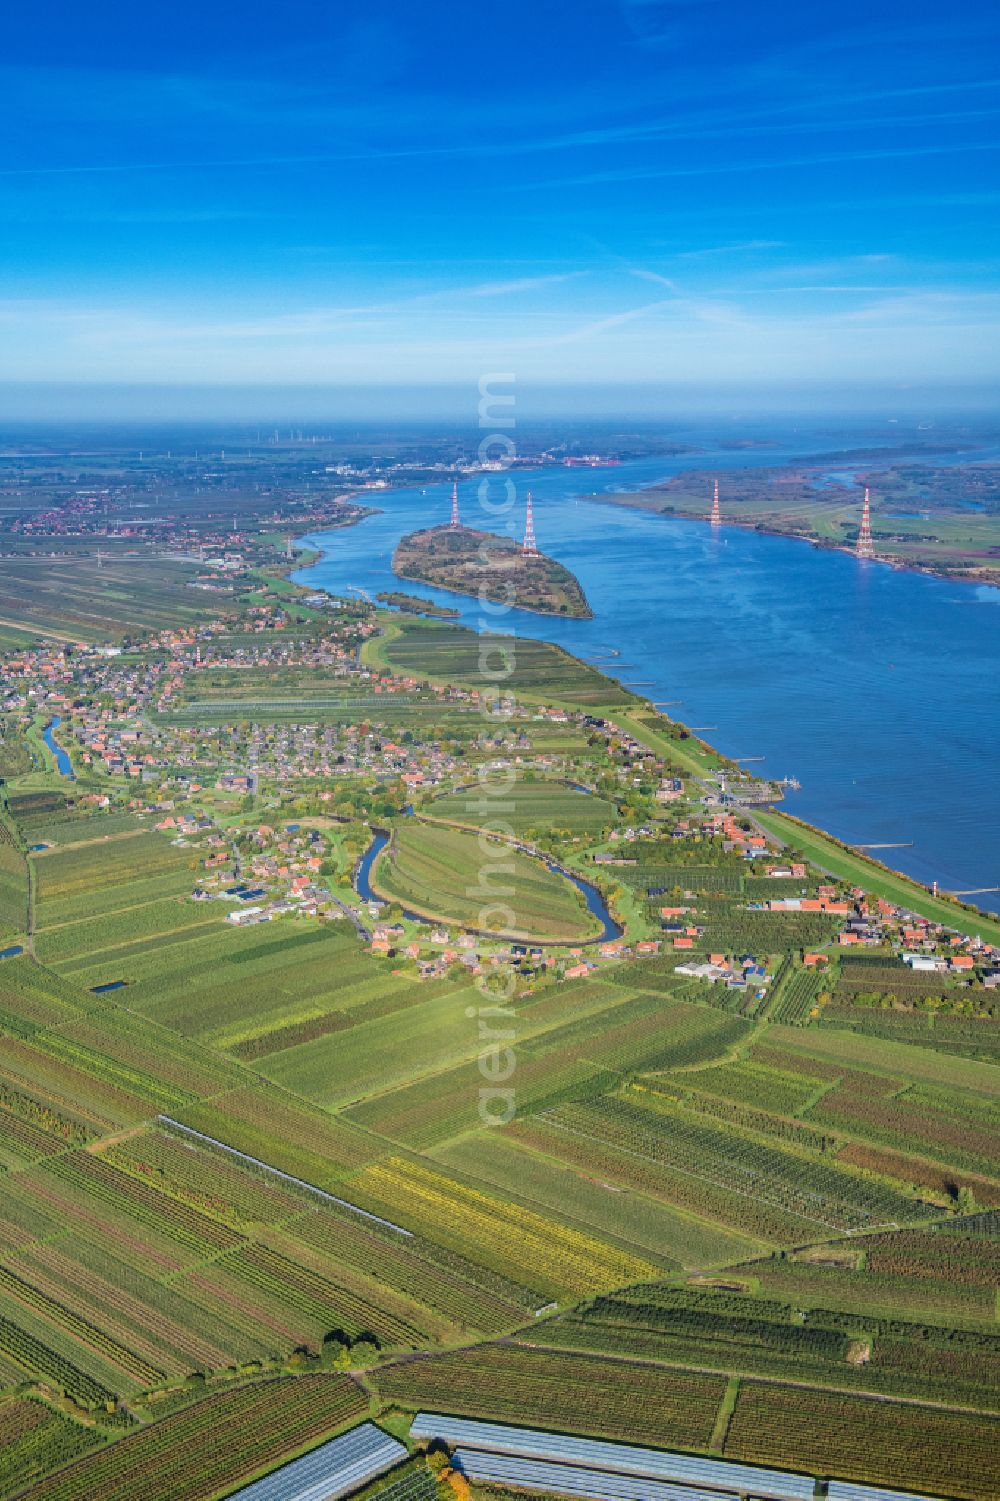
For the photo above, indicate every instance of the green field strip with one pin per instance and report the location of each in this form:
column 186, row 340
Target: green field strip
column 724, row 1415
column 675, row 1236
column 877, row 1055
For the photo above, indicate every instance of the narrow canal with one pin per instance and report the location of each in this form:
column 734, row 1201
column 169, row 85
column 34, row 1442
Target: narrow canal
column 591, row 894
column 63, row 763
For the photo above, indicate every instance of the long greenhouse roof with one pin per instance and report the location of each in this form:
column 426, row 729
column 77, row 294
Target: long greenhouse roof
column 575, row 1480
column 849, row 1490
column 334, row 1469
column 654, row 1464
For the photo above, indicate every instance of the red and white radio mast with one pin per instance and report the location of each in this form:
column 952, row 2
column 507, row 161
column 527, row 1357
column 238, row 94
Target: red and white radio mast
column 529, row 547
column 865, row 547
column 454, row 505
column 716, row 513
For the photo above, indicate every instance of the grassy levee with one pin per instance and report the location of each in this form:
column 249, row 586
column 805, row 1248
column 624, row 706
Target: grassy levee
column 692, row 755
column 829, row 854
column 375, row 651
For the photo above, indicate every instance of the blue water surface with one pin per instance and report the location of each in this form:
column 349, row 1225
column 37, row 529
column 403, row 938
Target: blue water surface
column 63, row 762
column 875, row 687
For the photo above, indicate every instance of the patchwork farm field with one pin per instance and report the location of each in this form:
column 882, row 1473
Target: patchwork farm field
column 441, row 1105
column 13, row 884
column 669, row 1238
column 559, row 1260
column 568, row 1392
column 655, row 1134
column 770, row 1193
column 73, row 598
column 216, row 1445
column 951, row 1452
column 217, row 980
column 966, row 1037
column 573, row 1041
column 279, row 698
column 239, row 1161
column 944, row 1280
column 417, row 1039
column 95, row 898
column 34, row 1440
column 709, row 1325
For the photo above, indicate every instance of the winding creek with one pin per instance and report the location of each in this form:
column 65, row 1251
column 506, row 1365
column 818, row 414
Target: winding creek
column 874, row 687
column 596, row 904
column 63, row 763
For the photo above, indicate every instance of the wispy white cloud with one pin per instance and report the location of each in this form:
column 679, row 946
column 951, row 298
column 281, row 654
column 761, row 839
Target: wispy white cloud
column 113, row 325
column 734, row 249
column 736, row 166
column 230, row 111
column 521, row 284
column 599, row 326
column 645, row 275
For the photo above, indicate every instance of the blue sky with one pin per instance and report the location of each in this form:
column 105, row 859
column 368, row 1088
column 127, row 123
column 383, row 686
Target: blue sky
column 691, row 192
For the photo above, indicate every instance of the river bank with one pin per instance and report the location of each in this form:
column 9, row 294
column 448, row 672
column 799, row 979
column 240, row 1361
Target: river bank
column 988, row 577
column 816, row 505
column 867, row 685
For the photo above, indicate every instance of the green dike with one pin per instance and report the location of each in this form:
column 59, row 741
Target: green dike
column 375, row 651
column 692, row 755
column 828, row 853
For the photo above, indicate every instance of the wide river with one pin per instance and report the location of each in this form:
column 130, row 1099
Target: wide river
column 877, row 688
